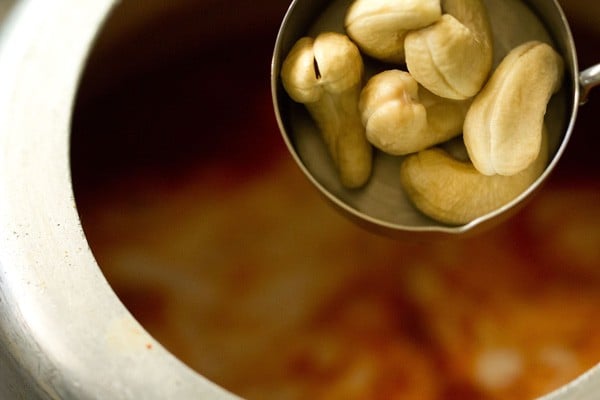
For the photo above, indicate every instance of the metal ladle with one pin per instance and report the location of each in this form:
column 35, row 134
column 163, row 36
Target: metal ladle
column 381, row 204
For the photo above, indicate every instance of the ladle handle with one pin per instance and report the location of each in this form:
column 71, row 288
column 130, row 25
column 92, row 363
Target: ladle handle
column 588, row 79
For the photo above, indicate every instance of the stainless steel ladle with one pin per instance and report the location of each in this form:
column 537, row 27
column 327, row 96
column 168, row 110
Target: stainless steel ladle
column 382, row 204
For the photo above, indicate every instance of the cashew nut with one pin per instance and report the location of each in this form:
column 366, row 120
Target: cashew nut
column 453, row 57
column 454, row 192
column 380, row 26
column 402, row 117
column 325, row 74
column 503, row 127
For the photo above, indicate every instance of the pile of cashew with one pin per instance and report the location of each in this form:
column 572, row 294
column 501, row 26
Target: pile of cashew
column 437, row 84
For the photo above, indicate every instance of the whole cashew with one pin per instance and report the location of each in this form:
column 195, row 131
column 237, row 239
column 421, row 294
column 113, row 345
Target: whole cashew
column 503, row 127
column 380, row 26
column 402, row 117
column 454, row 192
column 325, row 74
column 453, row 57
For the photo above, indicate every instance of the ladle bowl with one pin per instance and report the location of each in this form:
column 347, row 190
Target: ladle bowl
column 382, row 204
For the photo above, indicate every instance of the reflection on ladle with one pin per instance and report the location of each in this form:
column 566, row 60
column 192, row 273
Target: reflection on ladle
column 382, row 204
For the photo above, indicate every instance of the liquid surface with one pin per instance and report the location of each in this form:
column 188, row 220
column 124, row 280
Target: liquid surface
column 258, row 285
column 224, row 252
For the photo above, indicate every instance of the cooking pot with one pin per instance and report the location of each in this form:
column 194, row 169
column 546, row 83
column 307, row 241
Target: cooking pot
column 63, row 332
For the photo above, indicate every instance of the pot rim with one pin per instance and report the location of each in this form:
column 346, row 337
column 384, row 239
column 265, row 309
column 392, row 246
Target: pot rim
column 63, row 331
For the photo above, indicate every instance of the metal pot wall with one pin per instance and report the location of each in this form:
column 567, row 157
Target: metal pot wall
column 63, row 332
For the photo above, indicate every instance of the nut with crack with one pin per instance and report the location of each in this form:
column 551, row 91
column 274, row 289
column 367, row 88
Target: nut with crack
column 503, row 127
column 402, row 117
column 454, row 192
column 379, row 27
column 453, row 57
column 326, row 75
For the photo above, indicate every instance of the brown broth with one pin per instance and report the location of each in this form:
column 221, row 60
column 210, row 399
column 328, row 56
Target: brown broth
column 218, row 245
